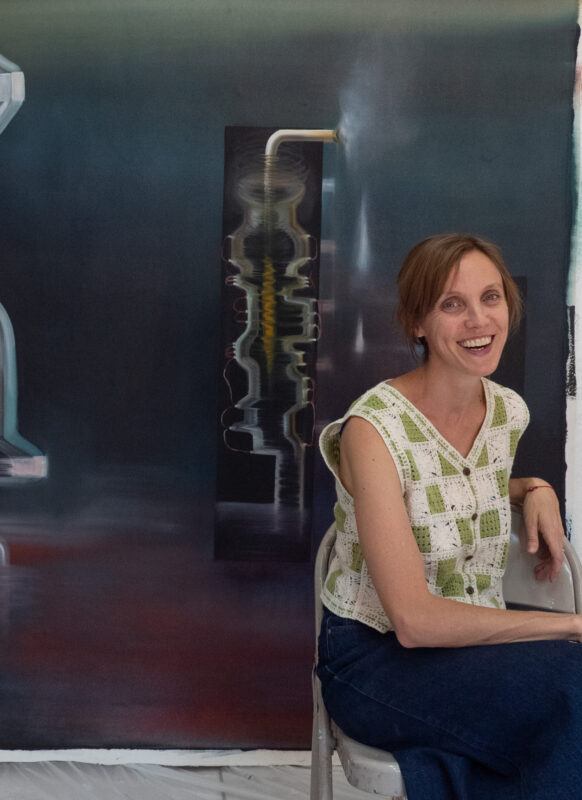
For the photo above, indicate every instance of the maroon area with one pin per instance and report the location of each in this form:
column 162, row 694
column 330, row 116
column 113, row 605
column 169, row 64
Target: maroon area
column 139, row 639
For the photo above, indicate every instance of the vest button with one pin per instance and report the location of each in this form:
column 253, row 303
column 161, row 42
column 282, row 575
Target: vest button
column 474, row 516
column 470, row 590
column 466, row 471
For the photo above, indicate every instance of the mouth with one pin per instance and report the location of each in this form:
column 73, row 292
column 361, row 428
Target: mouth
column 478, row 345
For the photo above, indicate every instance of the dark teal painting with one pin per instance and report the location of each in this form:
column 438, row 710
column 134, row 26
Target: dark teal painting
column 119, row 626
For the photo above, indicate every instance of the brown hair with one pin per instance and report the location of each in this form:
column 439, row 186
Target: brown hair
column 426, row 269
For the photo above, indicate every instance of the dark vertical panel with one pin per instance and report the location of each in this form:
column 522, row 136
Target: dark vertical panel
column 271, row 232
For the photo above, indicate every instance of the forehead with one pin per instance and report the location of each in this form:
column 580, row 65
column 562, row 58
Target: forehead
column 474, row 271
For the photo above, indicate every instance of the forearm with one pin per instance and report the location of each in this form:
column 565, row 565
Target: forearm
column 440, row 622
column 519, row 487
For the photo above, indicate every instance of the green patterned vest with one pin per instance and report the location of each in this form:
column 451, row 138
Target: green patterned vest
column 458, row 506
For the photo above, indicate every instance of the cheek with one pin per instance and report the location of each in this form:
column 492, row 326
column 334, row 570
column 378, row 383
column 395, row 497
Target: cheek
column 499, row 316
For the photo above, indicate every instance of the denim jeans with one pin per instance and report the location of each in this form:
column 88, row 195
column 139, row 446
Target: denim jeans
column 495, row 722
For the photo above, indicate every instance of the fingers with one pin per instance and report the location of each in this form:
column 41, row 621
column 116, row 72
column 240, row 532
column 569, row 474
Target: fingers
column 542, row 571
column 556, row 548
column 532, row 537
column 552, row 559
column 544, row 533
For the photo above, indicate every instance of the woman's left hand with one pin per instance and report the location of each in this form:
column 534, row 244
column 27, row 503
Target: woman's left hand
column 544, row 529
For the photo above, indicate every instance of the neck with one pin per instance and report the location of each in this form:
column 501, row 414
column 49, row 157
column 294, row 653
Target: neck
column 449, row 394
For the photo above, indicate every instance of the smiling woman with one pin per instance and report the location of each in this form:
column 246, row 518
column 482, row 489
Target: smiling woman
column 470, row 320
column 422, row 465
column 430, row 269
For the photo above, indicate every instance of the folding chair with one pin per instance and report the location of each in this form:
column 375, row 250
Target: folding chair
column 376, row 771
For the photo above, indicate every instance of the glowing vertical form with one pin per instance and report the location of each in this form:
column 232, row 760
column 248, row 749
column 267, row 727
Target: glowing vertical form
column 574, row 365
column 19, row 459
column 269, row 251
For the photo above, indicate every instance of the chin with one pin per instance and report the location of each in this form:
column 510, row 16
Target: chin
column 484, row 370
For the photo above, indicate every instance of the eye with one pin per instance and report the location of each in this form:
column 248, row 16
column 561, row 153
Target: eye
column 492, row 297
column 452, row 304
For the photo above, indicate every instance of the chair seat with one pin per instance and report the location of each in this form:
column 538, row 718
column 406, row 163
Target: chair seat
column 367, row 768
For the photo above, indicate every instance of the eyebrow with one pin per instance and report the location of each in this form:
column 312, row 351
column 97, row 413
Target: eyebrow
column 453, row 292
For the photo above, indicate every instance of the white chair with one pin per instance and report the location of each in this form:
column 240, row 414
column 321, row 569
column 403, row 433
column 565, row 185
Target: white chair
column 376, row 771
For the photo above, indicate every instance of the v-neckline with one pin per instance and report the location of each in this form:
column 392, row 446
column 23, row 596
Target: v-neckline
column 436, row 434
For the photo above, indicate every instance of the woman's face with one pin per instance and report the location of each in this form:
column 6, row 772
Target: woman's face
column 467, row 328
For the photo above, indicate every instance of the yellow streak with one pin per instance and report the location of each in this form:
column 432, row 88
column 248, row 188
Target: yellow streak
column 268, row 312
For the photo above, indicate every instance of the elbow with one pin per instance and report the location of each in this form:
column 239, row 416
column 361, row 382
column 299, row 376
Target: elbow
column 414, row 629
column 408, row 636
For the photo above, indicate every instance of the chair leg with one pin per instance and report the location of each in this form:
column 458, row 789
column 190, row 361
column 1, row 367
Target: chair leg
column 322, row 747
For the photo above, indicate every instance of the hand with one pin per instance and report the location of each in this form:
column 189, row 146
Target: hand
column 544, row 529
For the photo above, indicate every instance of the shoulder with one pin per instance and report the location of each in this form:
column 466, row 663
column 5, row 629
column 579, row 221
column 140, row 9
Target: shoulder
column 375, row 401
column 367, row 406
column 374, row 416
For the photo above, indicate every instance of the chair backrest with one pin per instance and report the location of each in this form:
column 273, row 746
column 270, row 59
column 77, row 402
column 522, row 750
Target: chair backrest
column 320, row 573
column 522, row 590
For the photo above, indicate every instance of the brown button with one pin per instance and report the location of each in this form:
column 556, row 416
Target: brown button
column 466, row 471
column 468, row 558
column 470, row 590
column 474, row 516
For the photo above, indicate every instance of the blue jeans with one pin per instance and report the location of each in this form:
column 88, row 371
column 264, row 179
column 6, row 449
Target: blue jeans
column 496, row 722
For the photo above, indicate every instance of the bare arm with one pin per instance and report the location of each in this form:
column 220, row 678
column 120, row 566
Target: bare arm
column 543, row 523
column 420, row 618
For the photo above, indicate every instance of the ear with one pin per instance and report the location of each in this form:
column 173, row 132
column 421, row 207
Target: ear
column 419, row 331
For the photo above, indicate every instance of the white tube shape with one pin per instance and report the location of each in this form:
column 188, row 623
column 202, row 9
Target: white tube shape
column 297, row 134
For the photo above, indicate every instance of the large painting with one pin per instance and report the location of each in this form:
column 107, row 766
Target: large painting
column 156, row 589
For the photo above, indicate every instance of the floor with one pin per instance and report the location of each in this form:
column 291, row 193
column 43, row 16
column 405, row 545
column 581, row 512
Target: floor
column 73, row 781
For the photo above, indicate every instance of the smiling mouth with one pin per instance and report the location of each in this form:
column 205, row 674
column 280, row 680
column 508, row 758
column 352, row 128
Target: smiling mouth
column 476, row 345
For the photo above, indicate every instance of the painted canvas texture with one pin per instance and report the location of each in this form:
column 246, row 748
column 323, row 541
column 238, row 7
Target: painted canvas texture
column 119, row 626
column 269, row 332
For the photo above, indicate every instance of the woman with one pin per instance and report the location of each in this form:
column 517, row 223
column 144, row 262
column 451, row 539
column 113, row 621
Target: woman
column 418, row 654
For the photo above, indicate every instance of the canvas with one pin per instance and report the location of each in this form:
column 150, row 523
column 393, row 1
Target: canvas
column 121, row 624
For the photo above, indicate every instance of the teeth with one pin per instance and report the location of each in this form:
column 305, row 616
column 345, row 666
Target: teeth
column 482, row 342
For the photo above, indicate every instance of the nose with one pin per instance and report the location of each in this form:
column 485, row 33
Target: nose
column 476, row 315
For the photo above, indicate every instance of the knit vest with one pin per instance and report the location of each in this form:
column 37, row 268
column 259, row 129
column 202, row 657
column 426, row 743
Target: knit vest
column 458, row 506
